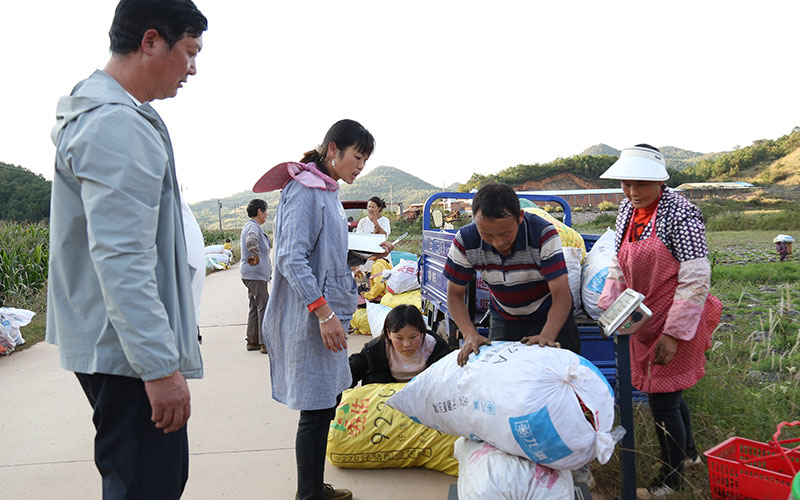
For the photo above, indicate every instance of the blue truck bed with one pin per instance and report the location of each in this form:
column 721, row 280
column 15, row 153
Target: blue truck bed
column 436, row 243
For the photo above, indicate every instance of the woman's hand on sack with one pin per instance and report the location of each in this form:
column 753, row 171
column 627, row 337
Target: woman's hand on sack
column 665, row 350
column 333, row 335
column 471, row 345
column 540, row 340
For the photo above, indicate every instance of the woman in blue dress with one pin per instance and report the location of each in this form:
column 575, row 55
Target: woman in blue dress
column 313, row 294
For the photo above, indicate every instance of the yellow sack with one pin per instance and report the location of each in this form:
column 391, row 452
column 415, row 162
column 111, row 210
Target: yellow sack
column 359, row 322
column 367, row 434
column 569, row 237
column 413, row 297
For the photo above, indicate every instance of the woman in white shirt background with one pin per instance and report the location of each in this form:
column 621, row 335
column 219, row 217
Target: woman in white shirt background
column 374, row 223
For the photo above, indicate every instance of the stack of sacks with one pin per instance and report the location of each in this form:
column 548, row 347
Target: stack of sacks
column 377, row 288
column 545, row 404
column 574, row 249
column 402, row 287
column 595, row 270
column 368, row 434
column 486, row 472
column 11, row 320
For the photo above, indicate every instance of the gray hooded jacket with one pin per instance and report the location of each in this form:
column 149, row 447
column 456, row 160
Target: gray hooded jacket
column 119, row 297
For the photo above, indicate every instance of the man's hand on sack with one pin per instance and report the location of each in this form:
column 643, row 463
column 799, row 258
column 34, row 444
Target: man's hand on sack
column 540, row 340
column 169, row 397
column 472, row 344
column 253, row 261
column 665, row 350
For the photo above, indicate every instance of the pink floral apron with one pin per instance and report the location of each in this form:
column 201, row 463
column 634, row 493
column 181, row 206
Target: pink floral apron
column 651, row 269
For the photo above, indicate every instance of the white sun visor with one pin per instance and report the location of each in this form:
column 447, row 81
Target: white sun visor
column 638, row 164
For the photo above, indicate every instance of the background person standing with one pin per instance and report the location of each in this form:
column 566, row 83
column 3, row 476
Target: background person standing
column 119, row 296
column 256, row 271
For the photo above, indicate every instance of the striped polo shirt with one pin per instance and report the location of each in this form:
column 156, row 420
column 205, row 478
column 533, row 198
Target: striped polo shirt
column 517, row 282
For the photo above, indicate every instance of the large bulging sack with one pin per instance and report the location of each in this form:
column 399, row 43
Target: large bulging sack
column 486, row 472
column 376, row 317
column 569, row 237
column 402, row 277
column 11, row 320
column 573, row 259
column 412, row 297
column 368, row 434
column 542, row 403
column 359, row 323
column 595, row 270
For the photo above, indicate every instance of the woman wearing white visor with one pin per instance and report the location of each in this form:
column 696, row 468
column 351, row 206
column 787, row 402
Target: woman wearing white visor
column 661, row 252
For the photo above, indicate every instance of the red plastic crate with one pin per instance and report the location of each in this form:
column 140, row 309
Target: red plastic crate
column 767, row 477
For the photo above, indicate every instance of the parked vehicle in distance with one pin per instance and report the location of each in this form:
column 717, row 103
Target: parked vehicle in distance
column 354, row 209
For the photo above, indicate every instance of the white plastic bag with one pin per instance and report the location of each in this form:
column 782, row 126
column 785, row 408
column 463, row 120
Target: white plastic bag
column 521, row 399
column 783, row 238
column 215, row 248
column 486, row 472
column 595, row 270
column 572, row 258
column 402, row 277
column 11, row 320
column 221, row 258
column 376, row 316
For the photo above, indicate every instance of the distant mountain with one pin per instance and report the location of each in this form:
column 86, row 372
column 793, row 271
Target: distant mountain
column 600, row 150
column 391, row 184
column 24, row 195
column 677, row 158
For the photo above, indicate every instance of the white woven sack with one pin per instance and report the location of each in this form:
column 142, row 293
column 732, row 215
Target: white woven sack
column 376, row 317
column 402, row 277
column 521, row 399
column 486, row 472
column 595, row 270
column 572, row 258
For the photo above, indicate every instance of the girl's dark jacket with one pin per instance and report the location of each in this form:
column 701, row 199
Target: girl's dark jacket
column 371, row 366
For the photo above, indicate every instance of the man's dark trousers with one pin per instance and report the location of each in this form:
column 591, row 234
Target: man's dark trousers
column 135, row 460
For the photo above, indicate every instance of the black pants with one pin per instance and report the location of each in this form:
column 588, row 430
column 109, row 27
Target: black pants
column 135, row 459
column 258, row 294
column 674, row 431
column 310, row 447
column 500, row 329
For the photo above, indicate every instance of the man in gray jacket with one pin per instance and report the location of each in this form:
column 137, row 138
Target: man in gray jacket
column 256, row 271
column 119, row 298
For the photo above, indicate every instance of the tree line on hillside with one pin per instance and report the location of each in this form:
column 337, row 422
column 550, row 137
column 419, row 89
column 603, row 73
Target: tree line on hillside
column 734, row 163
column 588, row 167
column 24, row 195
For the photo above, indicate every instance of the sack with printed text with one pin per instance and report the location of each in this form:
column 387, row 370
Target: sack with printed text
column 402, row 277
column 486, row 472
column 368, row 434
column 542, row 403
column 595, row 270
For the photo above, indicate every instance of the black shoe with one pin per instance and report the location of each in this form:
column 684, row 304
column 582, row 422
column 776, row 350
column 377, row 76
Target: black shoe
column 263, row 349
column 332, row 494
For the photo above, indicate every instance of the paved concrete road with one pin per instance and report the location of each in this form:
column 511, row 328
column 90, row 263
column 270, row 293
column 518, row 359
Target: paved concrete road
column 241, row 441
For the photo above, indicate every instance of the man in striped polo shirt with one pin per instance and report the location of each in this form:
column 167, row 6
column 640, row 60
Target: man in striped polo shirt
column 519, row 256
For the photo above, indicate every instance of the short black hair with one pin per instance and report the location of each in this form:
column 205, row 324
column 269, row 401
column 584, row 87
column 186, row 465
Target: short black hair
column 378, row 201
column 255, row 205
column 496, row 201
column 173, row 19
column 648, row 147
column 402, row 316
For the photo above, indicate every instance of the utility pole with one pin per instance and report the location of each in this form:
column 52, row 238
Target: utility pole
column 219, row 205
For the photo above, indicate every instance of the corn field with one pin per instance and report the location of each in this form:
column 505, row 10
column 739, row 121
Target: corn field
column 24, row 251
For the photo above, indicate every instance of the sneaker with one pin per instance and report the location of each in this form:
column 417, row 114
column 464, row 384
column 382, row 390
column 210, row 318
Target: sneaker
column 688, row 463
column 332, row 494
column 584, row 475
column 654, row 492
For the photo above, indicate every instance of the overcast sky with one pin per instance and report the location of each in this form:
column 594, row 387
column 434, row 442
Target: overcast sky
column 447, row 88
